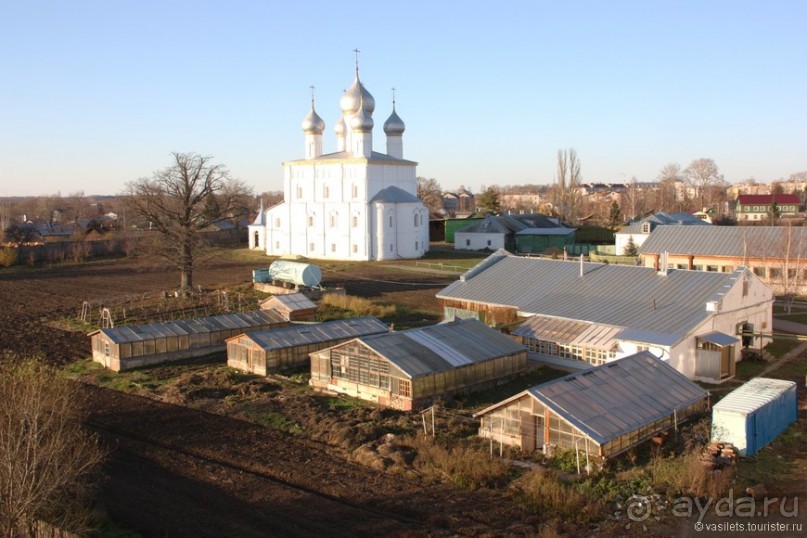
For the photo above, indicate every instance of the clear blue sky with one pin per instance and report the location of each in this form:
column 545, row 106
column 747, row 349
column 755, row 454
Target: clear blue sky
column 96, row 93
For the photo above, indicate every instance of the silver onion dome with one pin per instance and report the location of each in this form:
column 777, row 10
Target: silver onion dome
column 355, row 96
column 394, row 124
column 361, row 120
column 312, row 123
column 339, row 128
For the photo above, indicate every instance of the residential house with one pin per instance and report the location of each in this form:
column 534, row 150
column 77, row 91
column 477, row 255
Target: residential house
column 574, row 314
column 638, row 231
column 519, row 233
column 757, row 207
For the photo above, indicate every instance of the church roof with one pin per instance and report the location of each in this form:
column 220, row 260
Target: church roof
column 346, row 156
column 394, row 195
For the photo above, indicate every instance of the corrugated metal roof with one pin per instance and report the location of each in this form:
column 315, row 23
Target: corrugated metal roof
column 638, row 298
column 567, row 331
column 662, row 219
column 756, row 393
column 734, row 241
column 428, row 350
column 298, row 335
column 394, row 195
column 293, row 301
column 718, row 338
column 152, row 331
column 618, row 397
column 546, row 231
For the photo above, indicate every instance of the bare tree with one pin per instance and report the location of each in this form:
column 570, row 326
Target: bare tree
column 180, row 201
column 47, row 461
column 429, row 191
column 668, row 198
column 700, row 175
column 784, row 258
column 566, row 192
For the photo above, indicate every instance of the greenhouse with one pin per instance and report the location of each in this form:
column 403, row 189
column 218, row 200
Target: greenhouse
column 134, row 346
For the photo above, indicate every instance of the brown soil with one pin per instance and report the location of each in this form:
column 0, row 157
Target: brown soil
column 176, row 470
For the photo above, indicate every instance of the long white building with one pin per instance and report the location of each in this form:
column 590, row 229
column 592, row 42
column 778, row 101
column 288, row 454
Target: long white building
column 354, row 204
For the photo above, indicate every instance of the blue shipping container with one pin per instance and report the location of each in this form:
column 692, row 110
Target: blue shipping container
column 260, row 275
column 755, row 414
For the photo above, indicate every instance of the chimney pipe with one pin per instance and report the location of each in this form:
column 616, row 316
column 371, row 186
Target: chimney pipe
column 581, row 266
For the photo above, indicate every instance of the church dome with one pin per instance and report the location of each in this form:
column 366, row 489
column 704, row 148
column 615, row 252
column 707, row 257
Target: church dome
column 312, row 123
column 394, row 124
column 361, row 121
column 339, row 128
column 355, row 96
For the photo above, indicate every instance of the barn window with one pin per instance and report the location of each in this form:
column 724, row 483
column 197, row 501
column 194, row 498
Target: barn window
column 299, row 191
column 355, row 221
column 333, row 247
column 416, row 245
column 355, row 249
column 326, row 191
column 333, row 221
column 404, row 389
column 355, row 191
column 106, row 349
column 467, row 242
column 488, row 242
column 310, row 220
column 311, row 247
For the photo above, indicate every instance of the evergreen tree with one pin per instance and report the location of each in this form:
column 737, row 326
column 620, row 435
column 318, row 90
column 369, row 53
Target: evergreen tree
column 615, row 215
column 631, row 249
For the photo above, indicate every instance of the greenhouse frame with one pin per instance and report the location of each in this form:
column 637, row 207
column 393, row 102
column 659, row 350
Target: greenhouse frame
column 135, row 346
column 288, row 348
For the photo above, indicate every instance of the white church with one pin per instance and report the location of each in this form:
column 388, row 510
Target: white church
column 354, row 204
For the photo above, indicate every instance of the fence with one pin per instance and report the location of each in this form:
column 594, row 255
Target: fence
column 80, row 249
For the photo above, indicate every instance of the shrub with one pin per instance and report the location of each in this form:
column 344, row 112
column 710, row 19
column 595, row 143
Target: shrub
column 543, row 492
column 464, row 467
column 8, row 256
column 357, row 305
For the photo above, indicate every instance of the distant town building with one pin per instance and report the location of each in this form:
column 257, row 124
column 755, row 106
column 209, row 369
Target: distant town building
column 756, row 207
column 638, row 231
column 354, row 204
column 518, row 233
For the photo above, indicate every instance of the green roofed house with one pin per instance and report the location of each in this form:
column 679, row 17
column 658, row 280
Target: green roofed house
column 405, row 370
column 600, row 412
